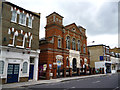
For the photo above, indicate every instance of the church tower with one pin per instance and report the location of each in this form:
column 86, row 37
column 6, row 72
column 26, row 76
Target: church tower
column 54, row 22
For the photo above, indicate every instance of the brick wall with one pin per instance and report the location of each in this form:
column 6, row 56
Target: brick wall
column 7, row 24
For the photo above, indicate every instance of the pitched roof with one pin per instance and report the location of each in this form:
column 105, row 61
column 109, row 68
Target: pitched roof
column 54, row 13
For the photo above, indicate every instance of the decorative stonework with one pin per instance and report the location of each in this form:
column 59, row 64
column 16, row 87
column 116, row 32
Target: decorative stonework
column 20, row 38
column 74, row 54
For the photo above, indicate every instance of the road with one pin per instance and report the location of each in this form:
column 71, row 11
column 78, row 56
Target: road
column 110, row 81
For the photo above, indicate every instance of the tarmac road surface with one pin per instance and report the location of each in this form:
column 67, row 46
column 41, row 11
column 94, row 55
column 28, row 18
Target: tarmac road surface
column 108, row 82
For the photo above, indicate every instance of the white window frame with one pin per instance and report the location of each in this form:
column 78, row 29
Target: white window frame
column 25, row 68
column 22, row 19
column 30, row 40
column 14, row 16
column 30, row 22
column 15, row 34
column 2, row 66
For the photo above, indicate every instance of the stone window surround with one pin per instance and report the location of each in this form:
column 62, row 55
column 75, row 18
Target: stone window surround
column 16, row 34
column 22, row 19
column 14, row 16
column 59, row 41
column 73, row 44
column 67, row 42
column 84, row 48
column 18, row 12
column 25, row 67
column 30, row 22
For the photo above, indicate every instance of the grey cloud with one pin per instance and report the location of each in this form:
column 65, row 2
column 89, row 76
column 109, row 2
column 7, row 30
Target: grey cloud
column 103, row 21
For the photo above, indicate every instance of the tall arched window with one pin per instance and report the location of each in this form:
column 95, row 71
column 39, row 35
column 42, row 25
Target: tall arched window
column 68, row 42
column 1, row 67
column 84, row 49
column 25, row 66
column 73, row 44
column 13, row 33
column 78, row 45
column 59, row 43
column 67, row 62
column 20, row 39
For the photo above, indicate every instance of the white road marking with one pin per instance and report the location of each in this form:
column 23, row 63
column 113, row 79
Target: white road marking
column 96, row 82
column 53, row 84
column 72, row 87
column 67, row 81
column 116, row 88
column 63, row 82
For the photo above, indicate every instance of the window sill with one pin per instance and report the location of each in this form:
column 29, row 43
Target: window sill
column 28, row 48
column 59, row 47
column 68, row 48
column 10, row 45
column 30, row 27
column 19, row 46
column 22, row 24
column 13, row 21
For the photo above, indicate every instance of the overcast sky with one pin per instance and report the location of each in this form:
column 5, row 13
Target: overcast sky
column 99, row 17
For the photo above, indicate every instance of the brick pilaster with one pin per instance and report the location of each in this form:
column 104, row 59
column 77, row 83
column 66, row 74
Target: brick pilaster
column 70, row 72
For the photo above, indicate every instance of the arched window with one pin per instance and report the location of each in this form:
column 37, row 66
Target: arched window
column 20, row 39
column 13, row 33
column 59, row 43
column 73, row 44
column 1, row 67
column 27, row 40
column 84, row 49
column 78, row 45
column 68, row 42
column 25, row 66
column 67, row 62
column 80, row 63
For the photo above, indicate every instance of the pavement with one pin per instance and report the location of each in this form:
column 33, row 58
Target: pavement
column 20, row 84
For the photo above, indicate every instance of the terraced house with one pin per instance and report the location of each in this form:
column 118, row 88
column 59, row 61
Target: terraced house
column 19, row 49
column 115, row 60
column 100, row 58
column 63, row 50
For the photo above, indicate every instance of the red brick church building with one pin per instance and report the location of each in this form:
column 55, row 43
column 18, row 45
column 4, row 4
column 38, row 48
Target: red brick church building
column 63, row 50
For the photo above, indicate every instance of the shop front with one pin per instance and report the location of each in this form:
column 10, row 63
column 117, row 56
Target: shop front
column 17, row 65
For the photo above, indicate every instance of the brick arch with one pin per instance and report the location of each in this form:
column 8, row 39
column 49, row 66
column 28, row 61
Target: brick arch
column 20, row 38
column 13, row 33
column 69, row 41
column 28, row 39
